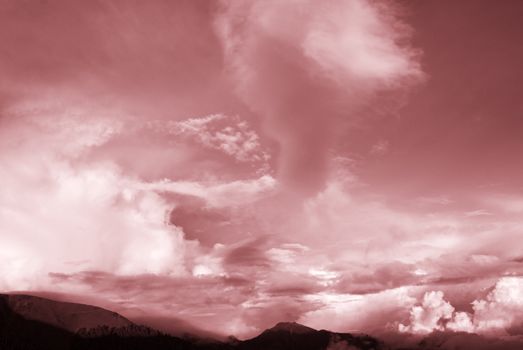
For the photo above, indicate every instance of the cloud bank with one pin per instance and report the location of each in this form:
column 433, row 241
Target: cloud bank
column 230, row 164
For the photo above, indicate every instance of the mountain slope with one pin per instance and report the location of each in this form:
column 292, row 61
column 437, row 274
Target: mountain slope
column 68, row 316
column 18, row 333
column 34, row 323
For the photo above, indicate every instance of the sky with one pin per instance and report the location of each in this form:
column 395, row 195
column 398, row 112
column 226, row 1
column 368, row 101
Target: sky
column 349, row 165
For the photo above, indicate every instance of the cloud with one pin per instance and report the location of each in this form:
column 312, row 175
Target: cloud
column 479, row 212
column 380, row 148
column 367, row 224
column 62, row 205
column 193, row 159
column 54, row 212
column 436, row 200
column 430, row 315
column 502, row 309
column 305, row 67
column 509, row 204
column 499, row 313
column 225, row 134
column 233, row 193
column 364, row 279
column 345, row 312
column 333, row 256
column 460, row 322
column 236, row 140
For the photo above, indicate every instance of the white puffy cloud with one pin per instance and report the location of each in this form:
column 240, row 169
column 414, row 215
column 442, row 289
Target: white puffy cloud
column 61, row 213
column 502, row 308
column 83, row 218
column 499, row 313
column 430, row 315
column 460, row 322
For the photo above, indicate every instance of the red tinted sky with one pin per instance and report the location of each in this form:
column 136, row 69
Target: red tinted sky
column 344, row 164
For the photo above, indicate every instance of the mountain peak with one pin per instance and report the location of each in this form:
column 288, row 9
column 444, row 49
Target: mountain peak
column 292, row 327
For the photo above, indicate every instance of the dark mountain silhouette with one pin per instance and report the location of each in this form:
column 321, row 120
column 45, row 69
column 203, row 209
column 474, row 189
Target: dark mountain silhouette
column 68, row 316
column 290, row 327
column 34, row 323
column 47, row 328
column 294, row 336
column 30, row 323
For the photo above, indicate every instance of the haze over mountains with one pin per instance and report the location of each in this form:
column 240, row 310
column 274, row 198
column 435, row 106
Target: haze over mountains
column 31, row 323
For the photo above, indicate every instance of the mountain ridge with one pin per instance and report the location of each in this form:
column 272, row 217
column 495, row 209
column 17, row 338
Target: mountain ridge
column 22, row 314
column 36, row 323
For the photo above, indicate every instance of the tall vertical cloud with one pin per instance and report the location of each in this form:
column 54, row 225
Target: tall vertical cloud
column 308, row 67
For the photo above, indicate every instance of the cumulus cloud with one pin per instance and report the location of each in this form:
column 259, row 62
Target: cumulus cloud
column 499, row 313
column 430, row 315
column 502, row 309
column 55, row 212
column 460, row 322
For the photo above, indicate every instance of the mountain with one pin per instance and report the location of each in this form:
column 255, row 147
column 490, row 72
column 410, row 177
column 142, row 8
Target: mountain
column 18, row 333
column 68, row 316
column 294, row 336
column 35, row 323
column 290, row 327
